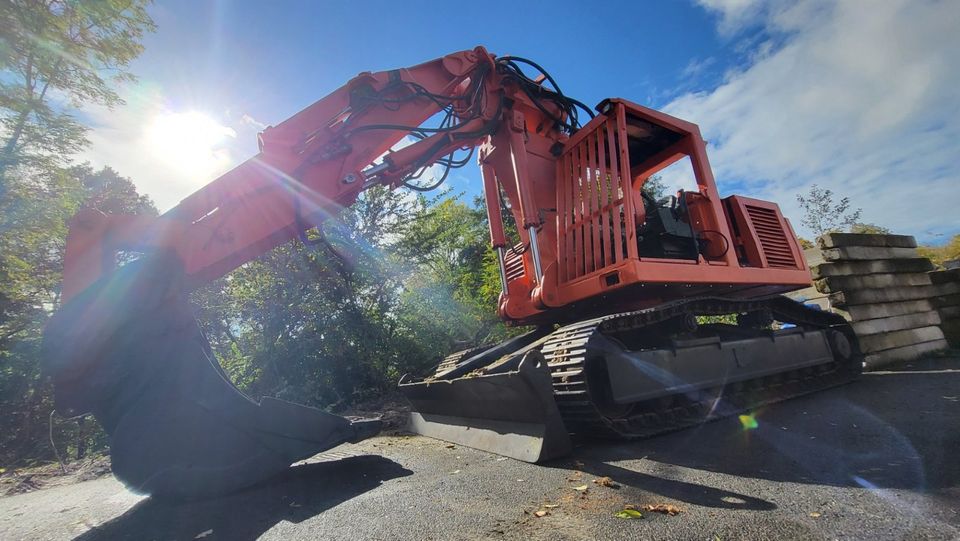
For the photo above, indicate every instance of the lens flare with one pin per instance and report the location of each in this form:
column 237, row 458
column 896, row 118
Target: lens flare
column 191, row 142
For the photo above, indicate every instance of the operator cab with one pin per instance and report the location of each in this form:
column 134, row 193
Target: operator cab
column 663, row 225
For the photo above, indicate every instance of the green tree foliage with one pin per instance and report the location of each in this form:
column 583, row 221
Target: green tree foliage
column 106, row 191
column 941, row 254
column 821, row 214
column 390, row 287
column 54, row 56
column 869, row 229
column 33, row 215
column 655, row 188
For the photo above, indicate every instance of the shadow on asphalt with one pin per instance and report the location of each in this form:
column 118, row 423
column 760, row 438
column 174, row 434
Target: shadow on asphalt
column 691, row 493
column 299, row 494
column 896, row 429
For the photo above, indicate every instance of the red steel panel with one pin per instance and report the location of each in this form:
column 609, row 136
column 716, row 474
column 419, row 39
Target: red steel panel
column 623, row 168
column 619, row 195
column 606, row 223
column 578, row 238
column 594, row 193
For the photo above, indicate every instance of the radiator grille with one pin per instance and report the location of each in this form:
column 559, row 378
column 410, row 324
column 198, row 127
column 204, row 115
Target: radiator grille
column 592, row 180
column 773, row 240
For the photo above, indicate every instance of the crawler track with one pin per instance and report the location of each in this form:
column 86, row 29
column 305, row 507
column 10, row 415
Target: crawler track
column 573, row 354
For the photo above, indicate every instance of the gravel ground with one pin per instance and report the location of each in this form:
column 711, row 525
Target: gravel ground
column 872, row 460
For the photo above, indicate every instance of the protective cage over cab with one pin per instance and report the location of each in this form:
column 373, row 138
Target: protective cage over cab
column 617, row 246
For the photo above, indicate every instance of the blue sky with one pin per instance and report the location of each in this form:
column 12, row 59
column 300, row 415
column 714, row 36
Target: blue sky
column 857, row 97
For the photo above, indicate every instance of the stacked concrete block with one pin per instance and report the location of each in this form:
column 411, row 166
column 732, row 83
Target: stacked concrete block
column 947, row 303
column 810, row 295
column 884, row 288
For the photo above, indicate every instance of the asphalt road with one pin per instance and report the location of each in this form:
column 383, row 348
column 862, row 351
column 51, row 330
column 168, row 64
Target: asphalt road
column 872, row 460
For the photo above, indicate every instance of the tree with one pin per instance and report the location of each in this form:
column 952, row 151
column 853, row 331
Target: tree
column 57, row 55
column 823, row 215
column 941, row 254
column 869, row 229
column 106, row 191
column 654, row 187
column 32, row 233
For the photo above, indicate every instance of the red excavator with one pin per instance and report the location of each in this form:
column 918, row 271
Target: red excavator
column 616, row 287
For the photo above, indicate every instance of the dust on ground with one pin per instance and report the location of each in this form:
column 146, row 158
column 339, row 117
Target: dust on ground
column 20, row 480
column 392, row 409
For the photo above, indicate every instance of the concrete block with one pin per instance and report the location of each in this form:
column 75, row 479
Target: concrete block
column 832, row 284
column 945, row 301
column 891, row 294
column 906, row 353
column 951, row 331
column 945, row 288
column 813, row 256
column 896, row 323
column 874, row 343
column 945, row 276
column 881, row 310
column 805, row 294
column 949, row 312
column 882, row 266
column 836, row 240
column 860, row 253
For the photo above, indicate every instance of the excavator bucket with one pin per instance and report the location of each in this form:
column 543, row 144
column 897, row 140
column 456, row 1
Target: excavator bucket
column 130, row 351
column 510, row 410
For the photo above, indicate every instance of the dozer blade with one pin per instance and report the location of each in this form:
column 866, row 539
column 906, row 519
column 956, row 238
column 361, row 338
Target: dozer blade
column 512, row 413
column 130, row 351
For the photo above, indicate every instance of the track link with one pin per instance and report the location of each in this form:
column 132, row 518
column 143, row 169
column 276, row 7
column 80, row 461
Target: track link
column 570, row 350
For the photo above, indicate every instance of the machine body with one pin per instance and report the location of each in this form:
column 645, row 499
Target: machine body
column 609, row 277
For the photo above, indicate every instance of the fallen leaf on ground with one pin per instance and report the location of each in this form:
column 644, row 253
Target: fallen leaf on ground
column 628, row 514
column 581, row 488
column 814, row 514
column 201, row 535
column 605, row 482
column 664, row 508
column 451, row 446
column 551, row 505
column 539, row 514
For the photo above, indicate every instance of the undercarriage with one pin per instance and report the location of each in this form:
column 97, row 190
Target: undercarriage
column 633, row 374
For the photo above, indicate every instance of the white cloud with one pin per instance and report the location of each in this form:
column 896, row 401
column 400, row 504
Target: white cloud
column 859, row 97
column 733, row 13
column 168, row 153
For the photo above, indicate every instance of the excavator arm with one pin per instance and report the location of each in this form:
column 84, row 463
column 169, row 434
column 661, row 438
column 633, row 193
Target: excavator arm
column 125, row 345
column 309, row 167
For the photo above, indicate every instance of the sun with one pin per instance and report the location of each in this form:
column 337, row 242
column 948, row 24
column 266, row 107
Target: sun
column 190, row 142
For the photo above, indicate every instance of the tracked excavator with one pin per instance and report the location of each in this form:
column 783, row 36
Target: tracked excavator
column 617, row 290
